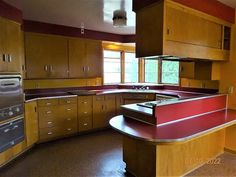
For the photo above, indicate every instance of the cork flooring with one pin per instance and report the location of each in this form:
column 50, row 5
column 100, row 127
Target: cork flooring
column 94, row 155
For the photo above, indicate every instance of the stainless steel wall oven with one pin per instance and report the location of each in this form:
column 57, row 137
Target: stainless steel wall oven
column 11, row 111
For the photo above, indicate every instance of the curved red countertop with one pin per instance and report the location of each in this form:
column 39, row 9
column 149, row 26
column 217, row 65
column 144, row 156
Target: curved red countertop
column 175, row 132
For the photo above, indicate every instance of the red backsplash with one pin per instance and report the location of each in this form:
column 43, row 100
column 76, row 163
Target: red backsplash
column 178, row 111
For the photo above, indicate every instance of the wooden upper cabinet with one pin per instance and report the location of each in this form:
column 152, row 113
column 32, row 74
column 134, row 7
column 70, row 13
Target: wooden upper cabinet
column 186, row 27
column 169, row 28
column 94, row 58
column 10, row 44
column 46, row 56
column 85, row 58
column 77, row 58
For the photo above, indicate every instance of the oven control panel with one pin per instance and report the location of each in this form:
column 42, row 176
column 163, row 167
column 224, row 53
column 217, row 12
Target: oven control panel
column 11, row 112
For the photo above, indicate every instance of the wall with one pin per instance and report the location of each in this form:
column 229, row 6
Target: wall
column 228, row 72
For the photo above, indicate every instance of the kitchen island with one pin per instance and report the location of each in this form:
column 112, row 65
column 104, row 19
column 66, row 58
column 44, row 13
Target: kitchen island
column 187, row 139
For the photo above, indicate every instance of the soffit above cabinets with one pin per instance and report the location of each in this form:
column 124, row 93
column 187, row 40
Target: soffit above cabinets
column 94, row 14
column 231, row 3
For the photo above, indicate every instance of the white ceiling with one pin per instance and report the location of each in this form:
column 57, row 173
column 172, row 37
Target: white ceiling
column 94, row 14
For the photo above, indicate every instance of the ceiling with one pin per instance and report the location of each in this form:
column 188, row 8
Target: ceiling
column 93, row 14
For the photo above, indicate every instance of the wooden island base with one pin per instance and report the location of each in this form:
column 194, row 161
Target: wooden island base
column 144, row 158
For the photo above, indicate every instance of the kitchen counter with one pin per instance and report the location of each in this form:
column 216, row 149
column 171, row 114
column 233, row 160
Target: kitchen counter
column 180, row 94
column 175, row 132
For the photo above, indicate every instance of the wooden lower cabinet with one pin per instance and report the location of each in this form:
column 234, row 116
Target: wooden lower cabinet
column 119, row 102
column 104, row 108
column 57, row 117
column 31, row 123
column 85, row 113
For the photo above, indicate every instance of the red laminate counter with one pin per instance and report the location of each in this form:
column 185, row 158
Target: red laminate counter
column 181, row 131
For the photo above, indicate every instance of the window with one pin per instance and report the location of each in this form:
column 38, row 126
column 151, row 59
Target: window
column 170, row 72
column 131, row 67
column 151, row 71
column 112, row 67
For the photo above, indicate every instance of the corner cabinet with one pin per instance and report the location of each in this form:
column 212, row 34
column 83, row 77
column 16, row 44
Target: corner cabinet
column 10, row 46
column 180, row 31
column 46, row 56
column 85, row 58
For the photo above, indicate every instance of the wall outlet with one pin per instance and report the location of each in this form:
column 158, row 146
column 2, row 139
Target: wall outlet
column 231, row 89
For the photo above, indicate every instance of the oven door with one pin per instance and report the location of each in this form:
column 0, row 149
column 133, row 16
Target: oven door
column 11, row 96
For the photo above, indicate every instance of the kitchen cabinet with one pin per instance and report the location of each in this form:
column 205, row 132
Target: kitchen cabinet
column 104, row 108
column 85, row 58
column 10, row 42
column 204, row 84
column 57, row 118
column 85, row 113
column 132, row 98
column 196, row 70
column 31, row 123
column 119, row 102
column 180, row 31
column 46, row 56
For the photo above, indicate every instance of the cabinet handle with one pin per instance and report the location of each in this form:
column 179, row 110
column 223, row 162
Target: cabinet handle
column 49, row 133
column 46, row 68
column 68, row 109
column 48, row 103
column 35, row 109
column 49, row 123
column 69, row 129
column 51, row 68
column 68, row 119
column 4, row 58
column 49, row 112
column 88, row 68
column 9, row 58
column 85, row 112
column 68, row 102
column 85, row 102
column 6, row 130
column 83, row 68
column 85, row 124
column 168, row 31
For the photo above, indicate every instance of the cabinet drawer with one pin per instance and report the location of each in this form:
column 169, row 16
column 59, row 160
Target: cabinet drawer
column 99, row 98
column 43, row 123
column 49, row 133
column 85, row 123
column 47, row 102
column 71, row 100
column 48, row 113
column 110, row 97
column 70, row 129
column 85, row 111
column 85, row 99
column 68, row 111
column 69, row 121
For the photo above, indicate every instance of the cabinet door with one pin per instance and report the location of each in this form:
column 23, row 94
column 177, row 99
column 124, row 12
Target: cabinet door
column 110, row 102
column 46, row 56
column 77, row 58
column 186, row 27
column 99, row 112
column 13, row 45
column 31, row 123
column 187, row 70
column 119, row 102
column 3, row 63
column 94, row 58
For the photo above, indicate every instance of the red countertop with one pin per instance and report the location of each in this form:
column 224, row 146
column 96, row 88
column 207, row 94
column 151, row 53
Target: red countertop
column 175, row 132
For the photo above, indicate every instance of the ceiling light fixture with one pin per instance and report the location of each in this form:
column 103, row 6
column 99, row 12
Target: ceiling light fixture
column 119, row 18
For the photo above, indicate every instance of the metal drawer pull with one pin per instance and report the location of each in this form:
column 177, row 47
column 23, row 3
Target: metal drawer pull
column 48, row 103
column 49, row 112
column 6, row 130
column 12, row 142
column 9, row 58
column 69, row 129
column 16, row 126
column 49, row 122
column 85, row 102
column 67, row 101
column 85, row 124
column 68, row 109
column 49, row 133
column 69, row 119
column 85, row 112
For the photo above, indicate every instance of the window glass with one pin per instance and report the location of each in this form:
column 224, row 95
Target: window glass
column 170, row 72
column 151, row 71
column 112, row 67
column 131, row 67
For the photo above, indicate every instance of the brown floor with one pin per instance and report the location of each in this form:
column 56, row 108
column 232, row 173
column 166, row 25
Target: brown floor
column 95, row 155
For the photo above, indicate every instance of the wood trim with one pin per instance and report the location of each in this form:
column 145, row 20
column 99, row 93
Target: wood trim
column 230, row 151
column 10, row 12
column 122, row 66
column 47, row 28
column 117, row 46
column 211, row 7
column 141, row 70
